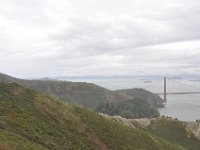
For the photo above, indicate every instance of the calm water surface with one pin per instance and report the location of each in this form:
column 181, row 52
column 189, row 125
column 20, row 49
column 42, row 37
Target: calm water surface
column 184, row 107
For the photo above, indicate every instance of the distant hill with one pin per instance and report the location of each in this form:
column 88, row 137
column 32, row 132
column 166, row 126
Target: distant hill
column 151, row 98
column 86, row 95
column 96, row 98
column 36, row 121
column 132, row 108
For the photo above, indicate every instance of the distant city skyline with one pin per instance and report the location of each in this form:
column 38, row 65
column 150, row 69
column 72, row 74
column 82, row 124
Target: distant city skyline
column 100, row 38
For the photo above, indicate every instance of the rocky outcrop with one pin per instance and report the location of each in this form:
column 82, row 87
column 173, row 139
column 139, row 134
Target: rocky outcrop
column 193, row 128
column 143, row 122
column 120, row 119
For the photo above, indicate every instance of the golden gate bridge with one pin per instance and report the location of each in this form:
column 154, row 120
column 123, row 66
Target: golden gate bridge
column 163, row 88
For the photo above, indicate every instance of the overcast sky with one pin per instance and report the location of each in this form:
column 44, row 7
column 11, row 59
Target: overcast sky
column 99, row 37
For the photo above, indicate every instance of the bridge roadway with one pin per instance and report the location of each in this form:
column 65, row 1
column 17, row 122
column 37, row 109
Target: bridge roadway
column 176, row 93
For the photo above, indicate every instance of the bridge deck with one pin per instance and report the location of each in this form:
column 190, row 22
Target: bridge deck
column 179, row 93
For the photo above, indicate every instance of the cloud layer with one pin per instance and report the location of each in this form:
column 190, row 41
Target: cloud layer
column 115, row 37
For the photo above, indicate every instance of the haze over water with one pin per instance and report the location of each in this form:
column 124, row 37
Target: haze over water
column 185, row 107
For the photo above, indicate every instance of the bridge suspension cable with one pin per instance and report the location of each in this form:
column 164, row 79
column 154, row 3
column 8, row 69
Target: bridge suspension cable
column 156, row 82
column 183, row 84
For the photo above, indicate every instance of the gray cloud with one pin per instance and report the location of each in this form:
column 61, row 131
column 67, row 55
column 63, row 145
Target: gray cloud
column 115, row 37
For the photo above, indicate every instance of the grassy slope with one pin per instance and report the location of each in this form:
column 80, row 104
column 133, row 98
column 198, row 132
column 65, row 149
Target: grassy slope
column 175, row 132
column 31, row 120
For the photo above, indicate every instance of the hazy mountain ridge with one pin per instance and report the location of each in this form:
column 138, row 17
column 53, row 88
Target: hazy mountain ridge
column 33, row 120
column 94, row 97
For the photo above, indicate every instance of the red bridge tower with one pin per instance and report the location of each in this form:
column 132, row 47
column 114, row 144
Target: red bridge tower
column 165, row 89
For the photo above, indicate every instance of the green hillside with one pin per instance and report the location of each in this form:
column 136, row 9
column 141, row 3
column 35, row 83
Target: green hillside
column 175, row 132
column 7, row 78
column 87, row 95
column 35, row 121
